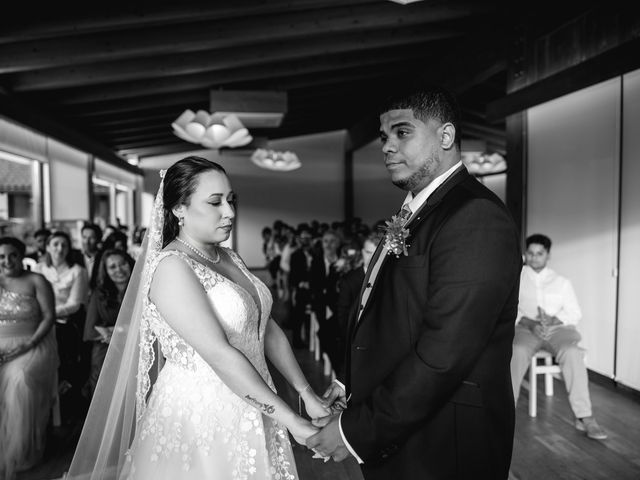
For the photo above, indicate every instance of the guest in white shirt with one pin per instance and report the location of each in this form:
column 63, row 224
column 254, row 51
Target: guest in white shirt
column 70, row 284
column 548, row 313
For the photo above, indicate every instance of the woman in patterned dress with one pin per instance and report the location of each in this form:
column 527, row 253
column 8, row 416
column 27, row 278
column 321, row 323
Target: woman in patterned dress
column 28, row 360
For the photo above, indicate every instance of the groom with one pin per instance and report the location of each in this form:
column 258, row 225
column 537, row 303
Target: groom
column 428, row 379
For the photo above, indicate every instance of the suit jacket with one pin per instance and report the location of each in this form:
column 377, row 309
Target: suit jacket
column 428, row 366
column 324, row 292
column 300, row 272
column 349, row 286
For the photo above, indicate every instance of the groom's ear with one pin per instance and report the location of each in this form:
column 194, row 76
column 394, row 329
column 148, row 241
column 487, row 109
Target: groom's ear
column 447, row 136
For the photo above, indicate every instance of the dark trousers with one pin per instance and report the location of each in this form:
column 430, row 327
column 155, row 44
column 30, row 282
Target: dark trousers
column 299, row 316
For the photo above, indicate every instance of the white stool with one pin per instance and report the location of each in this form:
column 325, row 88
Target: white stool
column 548, row 368
column 314, row 341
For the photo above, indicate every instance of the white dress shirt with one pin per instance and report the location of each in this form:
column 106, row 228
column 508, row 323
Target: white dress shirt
column 70, row 287
column 414, row 203
column 550, row 291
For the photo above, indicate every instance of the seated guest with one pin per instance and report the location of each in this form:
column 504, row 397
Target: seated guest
column 40, row 236
column 114, row 271
column 548, row 313
column 70, row 286
column 28, row 360
column 116, row 240
column 91, row 236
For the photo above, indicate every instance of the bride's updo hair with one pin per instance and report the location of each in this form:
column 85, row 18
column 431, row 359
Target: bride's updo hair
column 180, row 182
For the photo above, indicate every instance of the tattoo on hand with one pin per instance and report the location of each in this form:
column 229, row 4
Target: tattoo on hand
column 266, row 408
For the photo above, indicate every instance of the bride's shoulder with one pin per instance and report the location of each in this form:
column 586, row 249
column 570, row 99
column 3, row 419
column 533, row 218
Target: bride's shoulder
column 169, row 259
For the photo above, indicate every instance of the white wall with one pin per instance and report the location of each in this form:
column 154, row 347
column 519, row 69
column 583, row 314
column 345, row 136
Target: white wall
column 314, row 191
column 69, row 182
column 628, row 353
column 573, row 155
column 375, row 197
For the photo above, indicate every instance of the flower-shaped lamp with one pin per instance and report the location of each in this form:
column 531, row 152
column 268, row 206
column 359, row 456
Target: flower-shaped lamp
column 484, row 163
column 211, row 131
column 276, row 161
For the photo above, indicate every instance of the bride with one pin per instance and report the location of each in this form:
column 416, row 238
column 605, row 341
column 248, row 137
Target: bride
column 185, row 392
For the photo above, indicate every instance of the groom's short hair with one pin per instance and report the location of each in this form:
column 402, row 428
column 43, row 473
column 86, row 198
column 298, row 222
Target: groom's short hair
column 429, row 102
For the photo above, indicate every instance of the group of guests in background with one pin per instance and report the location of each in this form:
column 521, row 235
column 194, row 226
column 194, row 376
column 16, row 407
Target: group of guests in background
column 319, row 268
column 58, row 306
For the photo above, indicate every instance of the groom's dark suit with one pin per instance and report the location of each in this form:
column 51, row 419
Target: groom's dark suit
column 429, row 359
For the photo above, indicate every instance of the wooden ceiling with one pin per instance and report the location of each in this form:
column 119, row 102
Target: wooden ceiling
column 120, row 72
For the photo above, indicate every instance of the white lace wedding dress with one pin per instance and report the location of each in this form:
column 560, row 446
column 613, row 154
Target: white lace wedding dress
column 193, row 426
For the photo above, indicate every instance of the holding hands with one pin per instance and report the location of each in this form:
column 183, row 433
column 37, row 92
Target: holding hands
column 327, row 442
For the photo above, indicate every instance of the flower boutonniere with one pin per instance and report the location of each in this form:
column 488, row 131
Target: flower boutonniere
column 395, row 236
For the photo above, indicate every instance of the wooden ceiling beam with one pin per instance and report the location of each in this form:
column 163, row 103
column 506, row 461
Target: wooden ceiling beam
column 199, row 98
column 119, row 118
column 166, row 116
column 184, row 100
column 212, row 61
column 248, row 30
column 56, row 22
column 161, row 149
column 141, row 127
column 145, row 143
column 161, row 132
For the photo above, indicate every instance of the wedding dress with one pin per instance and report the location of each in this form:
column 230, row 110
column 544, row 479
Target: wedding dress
column 194, row 426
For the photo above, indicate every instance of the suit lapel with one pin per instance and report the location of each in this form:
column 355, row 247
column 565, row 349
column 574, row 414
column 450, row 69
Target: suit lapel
column 425, row 209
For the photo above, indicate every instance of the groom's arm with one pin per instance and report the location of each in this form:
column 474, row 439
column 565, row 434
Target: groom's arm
column 471, row 270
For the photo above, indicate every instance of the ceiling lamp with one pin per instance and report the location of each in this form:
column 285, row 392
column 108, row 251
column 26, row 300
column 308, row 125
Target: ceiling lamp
column 277, row 161
column 484, row 163
column 211, row 131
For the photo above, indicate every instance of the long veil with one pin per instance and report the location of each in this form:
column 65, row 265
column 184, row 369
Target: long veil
column 125, row 379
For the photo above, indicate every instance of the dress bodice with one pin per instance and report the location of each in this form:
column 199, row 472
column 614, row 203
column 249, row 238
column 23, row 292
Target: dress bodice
column 18, row 308
column 235, row 308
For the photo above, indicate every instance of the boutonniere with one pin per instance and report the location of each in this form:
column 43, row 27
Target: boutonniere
column 395, row 236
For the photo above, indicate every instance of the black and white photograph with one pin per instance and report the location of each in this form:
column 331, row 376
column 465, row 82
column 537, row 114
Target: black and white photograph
column 320, row 240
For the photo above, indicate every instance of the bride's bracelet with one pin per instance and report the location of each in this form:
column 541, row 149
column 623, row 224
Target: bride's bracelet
column 300, row 392
column 303, row 389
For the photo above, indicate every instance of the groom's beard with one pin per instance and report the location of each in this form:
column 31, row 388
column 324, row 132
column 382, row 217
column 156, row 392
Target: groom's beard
column 424, row 176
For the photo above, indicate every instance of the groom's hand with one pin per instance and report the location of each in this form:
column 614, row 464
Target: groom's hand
column 335, row 397
column 328, row 441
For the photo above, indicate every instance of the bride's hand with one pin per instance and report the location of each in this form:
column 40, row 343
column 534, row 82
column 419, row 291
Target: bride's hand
column 302, row 429
column 313, row 404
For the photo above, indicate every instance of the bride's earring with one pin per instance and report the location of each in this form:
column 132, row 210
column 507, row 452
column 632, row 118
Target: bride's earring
column 181, row 221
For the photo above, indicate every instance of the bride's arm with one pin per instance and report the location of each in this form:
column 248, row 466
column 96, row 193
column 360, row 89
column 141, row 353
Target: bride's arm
column 278, row 351
column 183, row 304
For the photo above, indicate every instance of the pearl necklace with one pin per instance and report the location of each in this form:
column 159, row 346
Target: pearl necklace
column 199, row 253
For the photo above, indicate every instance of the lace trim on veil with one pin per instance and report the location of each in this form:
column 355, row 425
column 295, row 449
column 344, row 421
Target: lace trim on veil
column 147, row 337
